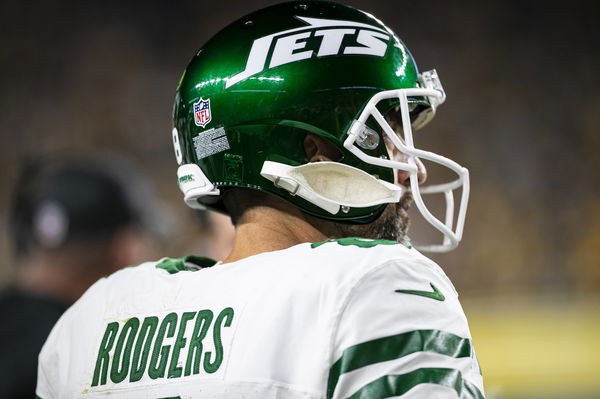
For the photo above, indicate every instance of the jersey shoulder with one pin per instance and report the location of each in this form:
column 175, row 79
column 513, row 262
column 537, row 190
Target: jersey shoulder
column 399, row 326
column 145, row 279
column 355, row 258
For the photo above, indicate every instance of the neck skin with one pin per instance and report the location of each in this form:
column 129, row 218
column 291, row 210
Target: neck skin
column 274, row 227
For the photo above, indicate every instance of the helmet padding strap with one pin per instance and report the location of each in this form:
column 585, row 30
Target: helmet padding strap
column 331, row 185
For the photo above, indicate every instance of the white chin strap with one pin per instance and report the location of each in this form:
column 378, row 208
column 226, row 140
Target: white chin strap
column 332, row 185
column 451, row 231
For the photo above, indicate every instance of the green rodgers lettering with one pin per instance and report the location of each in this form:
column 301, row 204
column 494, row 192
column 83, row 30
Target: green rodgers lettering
column 172, row 346
column 357, row 242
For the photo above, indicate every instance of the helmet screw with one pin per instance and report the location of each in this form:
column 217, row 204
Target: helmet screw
column 368, row 139
column 302, row 7
column 248, row 24
column 345, row 209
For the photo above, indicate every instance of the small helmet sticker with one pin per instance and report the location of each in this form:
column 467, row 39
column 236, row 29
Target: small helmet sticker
column 211, row 141
column 202, row 114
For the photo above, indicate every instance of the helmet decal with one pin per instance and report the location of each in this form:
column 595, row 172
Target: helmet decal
column 202, row 114
column 211, row 141
column 285, row 45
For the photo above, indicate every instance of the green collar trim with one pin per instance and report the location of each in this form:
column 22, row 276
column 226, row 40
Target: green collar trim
column 189, row 263
column 358, row 242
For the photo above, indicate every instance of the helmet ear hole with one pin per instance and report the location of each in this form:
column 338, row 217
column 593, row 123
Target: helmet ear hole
column 318, row 149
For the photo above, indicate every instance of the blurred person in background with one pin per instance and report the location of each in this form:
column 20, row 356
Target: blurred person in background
column 72, row 222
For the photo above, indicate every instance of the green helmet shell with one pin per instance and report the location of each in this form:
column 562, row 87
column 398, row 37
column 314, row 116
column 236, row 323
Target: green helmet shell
column 253, row 92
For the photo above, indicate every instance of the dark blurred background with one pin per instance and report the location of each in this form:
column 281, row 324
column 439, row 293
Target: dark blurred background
column 523, row 114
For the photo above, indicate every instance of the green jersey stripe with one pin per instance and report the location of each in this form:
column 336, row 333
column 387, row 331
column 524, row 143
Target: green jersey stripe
column 394, row 347
column 395, row 385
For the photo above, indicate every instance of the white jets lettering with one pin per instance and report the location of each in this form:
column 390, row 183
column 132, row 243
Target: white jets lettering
column 332, row 40
column 291, row 45
column 371, row 45
column 285, row 47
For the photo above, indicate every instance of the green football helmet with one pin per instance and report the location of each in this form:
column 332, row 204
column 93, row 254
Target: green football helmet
column 253, row 92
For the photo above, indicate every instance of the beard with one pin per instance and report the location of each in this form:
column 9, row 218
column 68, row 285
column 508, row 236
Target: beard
column 391, row 225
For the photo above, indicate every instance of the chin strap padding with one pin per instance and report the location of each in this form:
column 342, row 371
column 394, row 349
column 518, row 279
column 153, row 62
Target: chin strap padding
column 331, row 185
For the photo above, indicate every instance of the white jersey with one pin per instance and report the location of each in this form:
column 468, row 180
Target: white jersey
column 346, row 318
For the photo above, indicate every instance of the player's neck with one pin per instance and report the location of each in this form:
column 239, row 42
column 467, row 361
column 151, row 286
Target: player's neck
column 265, row 229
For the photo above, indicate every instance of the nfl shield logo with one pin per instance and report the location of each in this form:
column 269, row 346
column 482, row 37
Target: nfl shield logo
column 202, row 112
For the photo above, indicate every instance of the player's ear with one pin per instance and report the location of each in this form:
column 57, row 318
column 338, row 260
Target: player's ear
column 318, row 149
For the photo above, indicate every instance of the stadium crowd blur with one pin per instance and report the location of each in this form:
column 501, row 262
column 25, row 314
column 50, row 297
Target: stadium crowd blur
column 523, row 114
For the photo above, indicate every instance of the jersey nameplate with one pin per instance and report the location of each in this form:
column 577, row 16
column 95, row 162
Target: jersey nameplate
column 322, row 37
column 174, row 345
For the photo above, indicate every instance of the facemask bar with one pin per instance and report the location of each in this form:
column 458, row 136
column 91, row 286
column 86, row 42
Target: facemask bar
column 452, row 233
